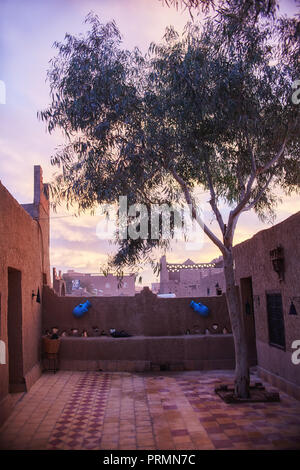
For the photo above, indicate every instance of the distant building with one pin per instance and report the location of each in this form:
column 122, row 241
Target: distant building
column 155, row 287
column 59, row 285
column 190, row 279
column 83, row 284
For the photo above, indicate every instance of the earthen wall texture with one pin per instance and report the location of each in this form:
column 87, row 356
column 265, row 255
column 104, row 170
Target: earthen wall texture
column 144, row 314
column 24, row 246
column 252, row 259
column 165, row 333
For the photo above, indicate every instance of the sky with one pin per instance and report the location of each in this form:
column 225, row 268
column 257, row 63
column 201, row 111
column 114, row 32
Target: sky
column 28, row 28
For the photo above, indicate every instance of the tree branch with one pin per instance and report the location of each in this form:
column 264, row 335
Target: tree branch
column 212, row 201
column 275, row 158
column 254, row 173
column 241, row 184
column 195, row 214
column 243, row 199
column 250, row 150
column 257, row 198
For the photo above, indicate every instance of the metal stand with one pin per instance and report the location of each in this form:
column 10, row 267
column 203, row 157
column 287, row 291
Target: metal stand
column 52, row 359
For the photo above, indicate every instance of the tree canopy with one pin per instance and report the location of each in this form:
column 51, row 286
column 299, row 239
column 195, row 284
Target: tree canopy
column 210, row 108
column 213, row 108
column 239, row 10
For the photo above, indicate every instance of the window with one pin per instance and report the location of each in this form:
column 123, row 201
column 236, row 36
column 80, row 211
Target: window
column 75, row 284
column 275, row 320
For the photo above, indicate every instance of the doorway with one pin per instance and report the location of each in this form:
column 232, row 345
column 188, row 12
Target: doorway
column 14, row 329
column 249, row 319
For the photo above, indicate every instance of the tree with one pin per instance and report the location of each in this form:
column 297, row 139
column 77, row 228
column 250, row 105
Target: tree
column 198, row 110
column 239, row 10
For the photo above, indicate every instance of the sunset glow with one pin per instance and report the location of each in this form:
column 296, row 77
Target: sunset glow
column 28, row 30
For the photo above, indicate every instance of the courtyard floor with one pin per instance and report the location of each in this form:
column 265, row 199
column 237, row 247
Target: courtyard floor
column 166, row 410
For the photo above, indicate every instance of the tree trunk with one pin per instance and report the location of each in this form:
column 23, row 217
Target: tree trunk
column 242, row 376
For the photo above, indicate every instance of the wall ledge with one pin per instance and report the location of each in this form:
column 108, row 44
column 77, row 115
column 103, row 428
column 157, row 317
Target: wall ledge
column 284, row 385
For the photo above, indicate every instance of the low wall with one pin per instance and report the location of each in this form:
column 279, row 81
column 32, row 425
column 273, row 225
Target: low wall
column 144, row 314
column 158, row 326
column 145, row 353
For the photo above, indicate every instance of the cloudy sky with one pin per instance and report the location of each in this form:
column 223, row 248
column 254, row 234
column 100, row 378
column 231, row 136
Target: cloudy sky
column 28, row 29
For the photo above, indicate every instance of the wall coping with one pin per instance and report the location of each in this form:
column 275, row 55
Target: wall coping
column 143, row 338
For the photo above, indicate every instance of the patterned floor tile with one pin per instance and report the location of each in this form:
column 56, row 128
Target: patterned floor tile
column 157, row 411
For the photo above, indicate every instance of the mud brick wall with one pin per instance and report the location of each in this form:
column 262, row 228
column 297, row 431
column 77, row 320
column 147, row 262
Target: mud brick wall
column 145, row 314
column 147, row 353
column 252, row 260
column 158, row 326
column 24, row 268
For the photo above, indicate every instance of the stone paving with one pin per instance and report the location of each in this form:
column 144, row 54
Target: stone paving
column 158, row 411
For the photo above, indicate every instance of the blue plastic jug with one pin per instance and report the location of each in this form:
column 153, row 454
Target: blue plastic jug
column 199, row 308
column 81, row 309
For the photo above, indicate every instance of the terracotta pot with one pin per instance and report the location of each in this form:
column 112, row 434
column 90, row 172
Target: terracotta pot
column 51, row 346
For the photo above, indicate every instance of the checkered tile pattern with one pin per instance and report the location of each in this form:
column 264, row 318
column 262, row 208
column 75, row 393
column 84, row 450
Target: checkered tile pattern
column 243, row 426
column 157, row 411
column 80, row 424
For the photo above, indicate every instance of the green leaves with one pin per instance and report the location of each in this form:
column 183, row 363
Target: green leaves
column 214, row 107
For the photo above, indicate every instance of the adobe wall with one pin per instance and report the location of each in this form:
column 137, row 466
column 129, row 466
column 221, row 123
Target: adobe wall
column 144, row 314
column 208, row 283
column 23, row 247
column 252, row 258
column 160, row 341
column 147, row 353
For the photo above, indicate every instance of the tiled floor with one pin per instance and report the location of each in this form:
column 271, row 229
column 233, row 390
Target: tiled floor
column 98, row 410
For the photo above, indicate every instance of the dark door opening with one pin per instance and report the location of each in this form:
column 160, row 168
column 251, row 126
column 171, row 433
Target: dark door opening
column 248, row 316
column 14, row 327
